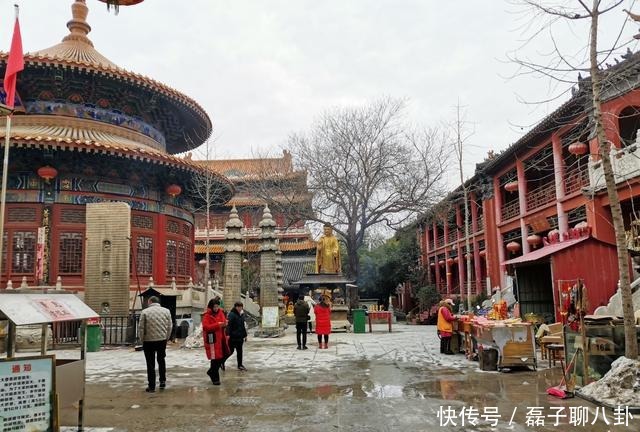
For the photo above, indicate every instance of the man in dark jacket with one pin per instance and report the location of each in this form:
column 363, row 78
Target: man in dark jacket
column 237, row 332
column 301, row 312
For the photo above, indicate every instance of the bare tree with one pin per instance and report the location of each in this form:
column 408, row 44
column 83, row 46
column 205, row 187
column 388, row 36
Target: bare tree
column 208, row 190
column 462, row 135
column 365, row 168
column 559, row 69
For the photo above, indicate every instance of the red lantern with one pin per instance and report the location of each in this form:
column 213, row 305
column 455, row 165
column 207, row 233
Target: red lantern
column 174, row 190
column 534, row 240
column 482, row 253
column 578, row 148
column 433, row 264
column 513, row 247
column 512, row 186
column 47, row 173
column 117, row 3
column 450, row 261
column 441, row 262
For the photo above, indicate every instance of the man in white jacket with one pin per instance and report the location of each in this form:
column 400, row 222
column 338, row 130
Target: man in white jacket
column 154, row 330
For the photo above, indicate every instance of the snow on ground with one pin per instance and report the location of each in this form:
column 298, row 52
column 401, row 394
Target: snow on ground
column 619, row 387
column 413, row 346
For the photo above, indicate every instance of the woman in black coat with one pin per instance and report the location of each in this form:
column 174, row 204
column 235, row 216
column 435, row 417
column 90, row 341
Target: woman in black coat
column 237, row 332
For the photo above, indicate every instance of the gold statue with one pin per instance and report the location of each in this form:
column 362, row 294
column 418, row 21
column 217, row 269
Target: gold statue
column 328, row 252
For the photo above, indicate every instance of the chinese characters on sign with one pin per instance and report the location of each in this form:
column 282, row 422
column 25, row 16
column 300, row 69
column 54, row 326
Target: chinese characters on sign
column 534, row 416
column 25, row 394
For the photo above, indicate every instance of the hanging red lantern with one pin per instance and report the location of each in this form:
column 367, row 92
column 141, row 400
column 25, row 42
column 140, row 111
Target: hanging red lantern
column 534, row 240
column 482, row 253
column 450, row 261
column 512, row 186
column 47, row 173
column 441, row 262
column 174, row 190
column 117, row 3
column 513, row 247
column 433, row 264
column 578, row 148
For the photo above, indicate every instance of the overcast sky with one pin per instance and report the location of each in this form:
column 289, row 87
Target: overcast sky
column 265, row 69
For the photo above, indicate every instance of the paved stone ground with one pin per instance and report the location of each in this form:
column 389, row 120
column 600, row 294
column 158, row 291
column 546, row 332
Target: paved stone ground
column 364, row 382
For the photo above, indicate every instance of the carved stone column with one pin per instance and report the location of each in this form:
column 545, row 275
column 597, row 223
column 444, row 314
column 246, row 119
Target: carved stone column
column 268, row 280
column 232, row 260
column 280, row 281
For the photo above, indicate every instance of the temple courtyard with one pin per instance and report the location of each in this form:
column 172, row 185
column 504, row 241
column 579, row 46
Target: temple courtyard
column 376, row 381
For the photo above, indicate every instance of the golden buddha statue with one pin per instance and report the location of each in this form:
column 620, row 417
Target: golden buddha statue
column 328, row 252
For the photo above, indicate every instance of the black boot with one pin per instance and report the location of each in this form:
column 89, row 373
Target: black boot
column 442, row 345
column 447, row 345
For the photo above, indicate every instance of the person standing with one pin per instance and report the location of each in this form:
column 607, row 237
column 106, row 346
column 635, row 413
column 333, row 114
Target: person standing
column 301, row 312
column 154, row 329
column 312, row 315
column 323, row 322
column 237, row 332
column 445, row 325
column 216, row 347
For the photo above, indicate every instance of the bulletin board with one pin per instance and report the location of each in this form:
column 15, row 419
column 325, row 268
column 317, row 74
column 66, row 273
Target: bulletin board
column 27, row 389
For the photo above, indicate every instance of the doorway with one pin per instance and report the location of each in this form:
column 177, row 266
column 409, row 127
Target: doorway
column 534, row 290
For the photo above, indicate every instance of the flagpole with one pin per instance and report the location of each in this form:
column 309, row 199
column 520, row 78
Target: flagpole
column 3, row 195
column 7, row 135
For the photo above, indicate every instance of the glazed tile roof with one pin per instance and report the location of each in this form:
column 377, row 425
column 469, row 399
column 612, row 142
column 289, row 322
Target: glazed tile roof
column 218, row 247
column 250, row 168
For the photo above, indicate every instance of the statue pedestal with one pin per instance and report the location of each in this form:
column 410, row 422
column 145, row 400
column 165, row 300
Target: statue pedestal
column 335, row 284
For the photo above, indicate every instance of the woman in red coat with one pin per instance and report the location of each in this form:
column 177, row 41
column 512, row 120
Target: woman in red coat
column 323, row 322
column 214, row 322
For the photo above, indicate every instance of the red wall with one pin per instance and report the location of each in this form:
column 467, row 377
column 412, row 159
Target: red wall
column 594, row 262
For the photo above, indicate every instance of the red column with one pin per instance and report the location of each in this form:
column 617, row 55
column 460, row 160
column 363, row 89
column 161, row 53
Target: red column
column 522, row 200
column 447, row 267
column 160, row 251
column 462, row 275
column 497, row 201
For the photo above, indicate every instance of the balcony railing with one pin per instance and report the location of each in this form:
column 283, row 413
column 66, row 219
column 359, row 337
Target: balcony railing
column 510, row 210
column 576, row 180
column 453, row 235
column 480, row 222
column 440, row 241
column 541, row 195
column 625, row 163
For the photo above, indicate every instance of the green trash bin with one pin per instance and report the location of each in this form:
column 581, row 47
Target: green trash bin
column 94, row 337
column 358, row 320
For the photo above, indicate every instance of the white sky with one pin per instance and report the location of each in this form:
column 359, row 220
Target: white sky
column 265, row 69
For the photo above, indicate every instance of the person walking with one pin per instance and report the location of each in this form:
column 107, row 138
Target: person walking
column 301, row 312
column 154, row 329
column 237, row 332
column 445, row 326
column 216, row 347
column 323, row 322
column 312, row 315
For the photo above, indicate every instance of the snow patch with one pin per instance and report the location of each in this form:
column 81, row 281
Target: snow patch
column 619, row 387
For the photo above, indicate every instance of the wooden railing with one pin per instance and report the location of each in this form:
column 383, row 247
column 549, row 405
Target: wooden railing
column 480, row 222
column 576, row 180
column 541, row 195
column 510, row 210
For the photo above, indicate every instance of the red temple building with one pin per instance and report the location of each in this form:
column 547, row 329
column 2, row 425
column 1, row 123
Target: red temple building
column 252, row 180
column 87, row 131
column 539, row 211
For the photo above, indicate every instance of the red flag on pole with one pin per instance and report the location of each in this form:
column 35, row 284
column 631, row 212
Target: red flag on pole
column 15, row 64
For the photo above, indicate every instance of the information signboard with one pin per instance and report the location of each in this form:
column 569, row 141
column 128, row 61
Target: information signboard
column 26, row 394
column 270, row 316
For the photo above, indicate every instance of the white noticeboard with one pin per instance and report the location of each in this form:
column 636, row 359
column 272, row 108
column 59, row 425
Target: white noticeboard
column 26, row 394
column 270, row 316
column 25, row 309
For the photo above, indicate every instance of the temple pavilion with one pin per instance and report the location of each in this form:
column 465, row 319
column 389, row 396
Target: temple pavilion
column 87, row 131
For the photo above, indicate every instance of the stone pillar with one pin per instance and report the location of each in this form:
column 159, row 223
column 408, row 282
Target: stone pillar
column 268, row 280
column 232, row 260
column 280, row 282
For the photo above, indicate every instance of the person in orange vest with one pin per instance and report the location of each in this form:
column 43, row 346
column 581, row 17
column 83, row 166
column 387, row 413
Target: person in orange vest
column 445, row 325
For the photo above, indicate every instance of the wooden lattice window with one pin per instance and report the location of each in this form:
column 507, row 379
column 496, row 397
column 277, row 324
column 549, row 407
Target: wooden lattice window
column 139, row 221
column 173, row 227
column 70, row 258
column 21, row 214
column 182, row 258
column 23, row 253
column 172, row 252
column 186, row 230
column 72, row 216
column 144, row 255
